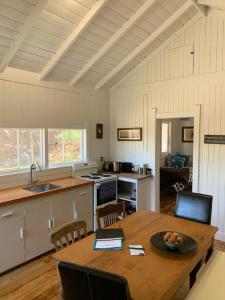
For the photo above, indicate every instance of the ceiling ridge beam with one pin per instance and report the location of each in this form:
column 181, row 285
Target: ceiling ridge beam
column 148, row 41
column 115, row 37
column 79, row 29
column 200, row 8
column 23, row 32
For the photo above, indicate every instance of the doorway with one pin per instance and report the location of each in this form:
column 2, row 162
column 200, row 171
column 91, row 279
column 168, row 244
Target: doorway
column 158, row 117
column 176, row 160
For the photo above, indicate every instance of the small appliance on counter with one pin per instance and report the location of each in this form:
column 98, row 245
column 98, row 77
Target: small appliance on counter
column 116, row 167
column 126, row 167
column 107, row 166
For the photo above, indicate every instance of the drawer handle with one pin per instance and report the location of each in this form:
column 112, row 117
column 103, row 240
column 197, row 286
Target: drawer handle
column 8, row 214
column 83, row 193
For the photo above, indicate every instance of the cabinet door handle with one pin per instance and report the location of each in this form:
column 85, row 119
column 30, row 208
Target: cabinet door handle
column 75, row 214
column 83, row 193
column 51, row 223
column 21, row 233
column 8, row 214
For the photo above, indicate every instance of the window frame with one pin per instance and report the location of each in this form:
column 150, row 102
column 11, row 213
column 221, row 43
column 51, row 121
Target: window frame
column 44, row 162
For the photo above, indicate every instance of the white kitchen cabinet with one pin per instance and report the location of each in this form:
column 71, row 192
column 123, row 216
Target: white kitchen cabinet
column 62, row 208
column 37, row 226
column 83, row 205
column 11, row 237
column 25, row 227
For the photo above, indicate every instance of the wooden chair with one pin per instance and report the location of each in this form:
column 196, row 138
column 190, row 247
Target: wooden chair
column 109, row 214
column 68, row 234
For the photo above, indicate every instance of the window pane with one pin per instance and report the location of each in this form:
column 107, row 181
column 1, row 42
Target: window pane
column 72, row 145
column 8, row 149
column 55, row 154
column 19, row 148
column 29, row 146
column 164, row 140
column 64, row 145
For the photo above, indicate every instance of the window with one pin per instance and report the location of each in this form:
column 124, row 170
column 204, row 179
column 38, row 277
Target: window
column 19, row 148
column 165, row 137
column 66, row 146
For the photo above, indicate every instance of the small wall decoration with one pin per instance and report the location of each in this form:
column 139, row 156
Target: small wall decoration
column 99, row 131
column 214, row 139
column 187, row 134
column 129, row 134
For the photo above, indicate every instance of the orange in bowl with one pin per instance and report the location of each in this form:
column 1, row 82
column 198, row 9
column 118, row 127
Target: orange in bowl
column 173, row 240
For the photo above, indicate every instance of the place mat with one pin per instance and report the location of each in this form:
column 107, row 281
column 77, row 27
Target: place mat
column 188, row 245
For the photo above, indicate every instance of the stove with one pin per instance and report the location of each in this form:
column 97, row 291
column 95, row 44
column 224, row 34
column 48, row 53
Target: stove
column 104, row 188
column 98, row 177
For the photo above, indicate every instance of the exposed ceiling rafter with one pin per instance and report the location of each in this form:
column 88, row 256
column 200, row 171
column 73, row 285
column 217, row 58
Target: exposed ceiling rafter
column 200, row 8
column 213, row 3
column 146, row 43
column 25, row 29
column 79, row 29
column 119, row 34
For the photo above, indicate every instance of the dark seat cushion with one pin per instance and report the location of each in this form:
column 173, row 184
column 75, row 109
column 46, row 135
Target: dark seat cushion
column 194, row 207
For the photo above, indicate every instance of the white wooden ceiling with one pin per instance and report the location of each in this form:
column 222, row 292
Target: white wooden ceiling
column 89, row 41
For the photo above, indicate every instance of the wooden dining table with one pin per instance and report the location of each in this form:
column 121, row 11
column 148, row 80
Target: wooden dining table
column 158, row 274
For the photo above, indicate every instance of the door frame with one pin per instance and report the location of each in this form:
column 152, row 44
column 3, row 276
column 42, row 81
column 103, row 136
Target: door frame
column 196, row 115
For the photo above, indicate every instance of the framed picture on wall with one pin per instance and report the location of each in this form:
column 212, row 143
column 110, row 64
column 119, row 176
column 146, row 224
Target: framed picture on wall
column 129, row 134
column 187, row 134
column 99, row 131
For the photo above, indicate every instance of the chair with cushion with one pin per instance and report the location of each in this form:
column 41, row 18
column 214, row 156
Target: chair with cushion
column 109, row 214
column 198, row 208
column 83, row 283
column 194, row 207
column 68, row 234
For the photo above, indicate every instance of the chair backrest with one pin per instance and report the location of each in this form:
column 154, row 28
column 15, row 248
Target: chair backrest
column 194, row 207
column 83, row 283
column 67, row 234
column 109, row 214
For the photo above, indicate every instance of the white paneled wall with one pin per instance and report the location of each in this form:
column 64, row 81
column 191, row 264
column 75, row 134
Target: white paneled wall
column 26, row 102
column 174, row 81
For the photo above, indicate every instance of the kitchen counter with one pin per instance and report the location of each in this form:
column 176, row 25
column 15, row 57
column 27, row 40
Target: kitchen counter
column 17, row 194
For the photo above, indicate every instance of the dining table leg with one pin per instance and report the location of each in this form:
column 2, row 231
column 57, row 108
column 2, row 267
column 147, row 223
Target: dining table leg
column 199, row 264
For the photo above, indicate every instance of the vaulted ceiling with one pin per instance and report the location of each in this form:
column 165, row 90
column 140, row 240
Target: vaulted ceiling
column 88, row 41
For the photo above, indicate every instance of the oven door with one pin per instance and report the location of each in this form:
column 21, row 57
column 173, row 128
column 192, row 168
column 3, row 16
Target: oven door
column 106, row 192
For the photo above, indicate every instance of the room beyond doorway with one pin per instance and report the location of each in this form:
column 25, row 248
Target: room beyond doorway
column 176, row 160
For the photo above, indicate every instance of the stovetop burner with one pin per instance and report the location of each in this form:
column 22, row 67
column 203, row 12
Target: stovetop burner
column 85, row 176
column 101, row 174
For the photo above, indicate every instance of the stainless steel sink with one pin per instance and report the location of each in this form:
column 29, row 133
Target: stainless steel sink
column 42, row 188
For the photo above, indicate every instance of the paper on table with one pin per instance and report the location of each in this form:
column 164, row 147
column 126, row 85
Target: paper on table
column 136, row 250
column 108, row 244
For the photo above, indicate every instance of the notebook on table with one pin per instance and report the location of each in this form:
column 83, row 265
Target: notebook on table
column 110, row 234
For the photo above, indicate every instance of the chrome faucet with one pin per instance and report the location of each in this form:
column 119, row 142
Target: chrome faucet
column 33, row 167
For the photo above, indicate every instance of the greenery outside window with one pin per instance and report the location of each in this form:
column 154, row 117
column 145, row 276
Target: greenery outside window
column 66, row 146
column 19, row 148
